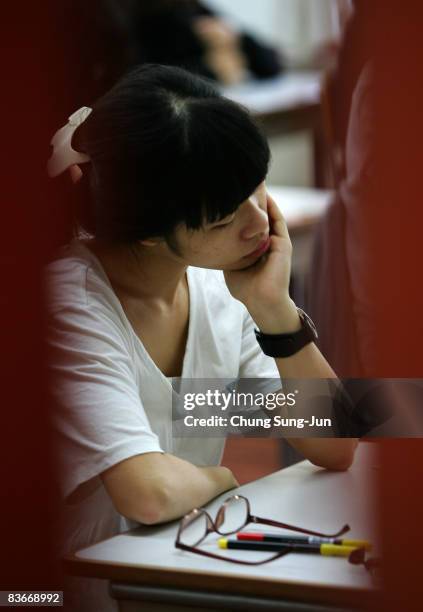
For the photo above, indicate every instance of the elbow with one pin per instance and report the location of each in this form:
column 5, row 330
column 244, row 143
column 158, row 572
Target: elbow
column 150, row 507
column 149, row 514
column 339, row 461
column 339, row 464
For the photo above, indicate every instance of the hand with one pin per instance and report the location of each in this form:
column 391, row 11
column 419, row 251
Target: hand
column 215, row 33
column 265, row 284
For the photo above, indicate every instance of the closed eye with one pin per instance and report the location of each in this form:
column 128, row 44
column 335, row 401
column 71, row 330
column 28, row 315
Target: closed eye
column 222, row 225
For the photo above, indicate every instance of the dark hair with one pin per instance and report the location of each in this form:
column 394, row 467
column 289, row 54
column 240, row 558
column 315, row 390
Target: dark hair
column 147, row 7
column 166, row 148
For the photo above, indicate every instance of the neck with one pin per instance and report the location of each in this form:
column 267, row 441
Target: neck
column 141, row 272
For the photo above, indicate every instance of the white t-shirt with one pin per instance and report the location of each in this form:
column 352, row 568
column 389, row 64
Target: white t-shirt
column 114, row 401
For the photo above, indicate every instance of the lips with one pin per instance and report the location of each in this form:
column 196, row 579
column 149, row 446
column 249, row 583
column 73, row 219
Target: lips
column 262, row 248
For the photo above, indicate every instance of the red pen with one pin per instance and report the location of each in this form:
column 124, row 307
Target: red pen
column 256, row 536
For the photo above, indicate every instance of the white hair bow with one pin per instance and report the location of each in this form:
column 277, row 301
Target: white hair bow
column 63, row 156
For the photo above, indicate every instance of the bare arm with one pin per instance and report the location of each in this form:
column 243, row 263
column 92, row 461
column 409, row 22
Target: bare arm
column 155, row 487
column 264, row 290
column 335, row 453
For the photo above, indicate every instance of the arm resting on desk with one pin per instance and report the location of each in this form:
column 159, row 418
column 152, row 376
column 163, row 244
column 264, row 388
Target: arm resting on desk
column 329, row 453
column 309, row 363
column 155, row 487
column 263, row 288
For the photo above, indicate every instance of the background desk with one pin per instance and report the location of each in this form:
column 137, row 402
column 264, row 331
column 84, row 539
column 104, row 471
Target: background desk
column 144, row 566
column 286, row 104
column 302, row 209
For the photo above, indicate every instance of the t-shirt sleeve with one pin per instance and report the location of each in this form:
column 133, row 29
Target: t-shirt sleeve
column 99, row 414
column 254, row 363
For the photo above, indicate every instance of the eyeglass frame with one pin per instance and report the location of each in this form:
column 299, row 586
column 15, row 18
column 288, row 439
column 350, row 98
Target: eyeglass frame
column 213, row 527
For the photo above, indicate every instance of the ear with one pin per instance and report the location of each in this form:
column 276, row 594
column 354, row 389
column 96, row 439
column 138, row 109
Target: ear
column 76, row 173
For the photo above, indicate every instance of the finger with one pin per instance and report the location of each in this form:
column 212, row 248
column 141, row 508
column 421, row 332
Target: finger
column 277, row 220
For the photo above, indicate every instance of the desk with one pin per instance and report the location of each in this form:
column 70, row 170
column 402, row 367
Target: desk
column 302, row 209
column 144, row 566
column 285, row 104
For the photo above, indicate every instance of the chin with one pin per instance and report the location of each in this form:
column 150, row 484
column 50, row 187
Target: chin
column 227, row 267
column 237, row 266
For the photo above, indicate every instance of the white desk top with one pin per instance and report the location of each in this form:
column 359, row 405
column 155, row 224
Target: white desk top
column 282, row 93
column 300, row 206
column 301, row 494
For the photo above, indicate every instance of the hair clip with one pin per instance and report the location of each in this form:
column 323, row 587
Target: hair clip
column 64, row 156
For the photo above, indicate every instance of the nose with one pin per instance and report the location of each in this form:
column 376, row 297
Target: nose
column 257, row 220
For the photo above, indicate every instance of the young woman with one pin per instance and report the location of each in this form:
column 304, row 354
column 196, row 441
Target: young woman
column 171, row 179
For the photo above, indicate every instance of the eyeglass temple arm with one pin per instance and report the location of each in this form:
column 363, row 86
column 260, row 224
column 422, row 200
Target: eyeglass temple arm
column 257, row 519
column 205, row 553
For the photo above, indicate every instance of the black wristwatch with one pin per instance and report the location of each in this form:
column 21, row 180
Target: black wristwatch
column 285, row 345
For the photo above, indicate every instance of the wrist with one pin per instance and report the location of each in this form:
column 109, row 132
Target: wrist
column 281, row 318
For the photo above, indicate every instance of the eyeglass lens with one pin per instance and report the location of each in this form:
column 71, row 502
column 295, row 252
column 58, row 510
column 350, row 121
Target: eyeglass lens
column 231, row 517
column 194, row 529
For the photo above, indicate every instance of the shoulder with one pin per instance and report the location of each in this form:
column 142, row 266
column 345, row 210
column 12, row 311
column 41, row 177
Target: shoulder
column 75, row 279
column 80, row 299
column 65, row 282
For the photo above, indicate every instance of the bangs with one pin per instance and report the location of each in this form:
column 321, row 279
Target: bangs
column 228, row 159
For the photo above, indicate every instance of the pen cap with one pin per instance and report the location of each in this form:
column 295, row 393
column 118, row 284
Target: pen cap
column 358, row 544
column 336, row 550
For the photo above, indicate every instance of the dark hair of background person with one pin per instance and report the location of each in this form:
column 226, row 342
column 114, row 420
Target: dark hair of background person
column 163, row 32
column 166, row 148
column 99, row 40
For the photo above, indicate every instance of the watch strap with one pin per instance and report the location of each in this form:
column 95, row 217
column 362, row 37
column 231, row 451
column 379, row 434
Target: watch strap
column 286, row 345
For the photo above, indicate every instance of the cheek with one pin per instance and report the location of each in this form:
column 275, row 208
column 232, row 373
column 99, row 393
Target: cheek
column 212, row 246
column 218, row 244
column 232, row 245
column 200, row 245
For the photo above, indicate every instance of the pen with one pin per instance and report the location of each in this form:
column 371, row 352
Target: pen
column 317, row 549
column 283, row 539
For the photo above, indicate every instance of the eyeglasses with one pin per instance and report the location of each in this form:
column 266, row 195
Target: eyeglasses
column 232, row 516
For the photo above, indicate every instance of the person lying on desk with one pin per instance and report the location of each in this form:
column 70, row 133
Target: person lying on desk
column 189, row 34
column 170, row 176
